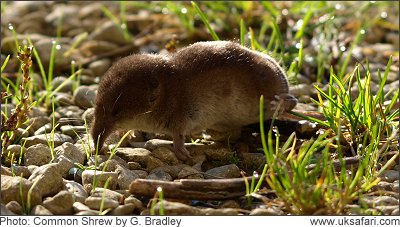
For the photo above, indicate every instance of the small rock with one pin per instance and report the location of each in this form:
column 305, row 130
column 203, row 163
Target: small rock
column 14, row 207
column 37, row 122
column 47, row 179
column 252, row 161
column 5, row 211
column 88, row 115
column 153, row 163
column 159, row 175
column 85, row 97
column 68, row 84
column 44, row 47
column 63, row 99
column 59, row 139
column 125, row 177
column 64, row 165
column 21, row 170
column 190, row 173
column 383, row 185
column 108, row 31
column 99, row 67
column 76, row 189
column 134, row 166
column 79, row 206
column 72, row 152
column 395, row 212
column 266, row 211
column 136, row 202
column 101, row 178
column 387, row 210
column 390, row 175
column 10, row 190
column 38, row 155
column 6, row 171
column 218, row 154
column 395, row 186
column 96, row 47
column 60, row 204
column 139, row 155
column 219, row 212
column 302, row 89
column 155, row 143
column 165, row 155
column 44, row 129
column 174, row 208
column 227, row 171
column 40, row 210
column 123, row 209
column 378, row 200
column 230, row 204
column 99, row 192
column 88, row 213
column 73, row 131
column 141, row 173
column 16, row 150
column 95, row 203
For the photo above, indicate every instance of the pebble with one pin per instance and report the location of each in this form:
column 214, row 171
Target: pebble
column 21, row 170
column 95, row 203
column 226, row 171
column 123, row 209
column 37, row 122
column 64, row 165
column 175, row 208
column 218, row 154
column 47, row 179
column 10, row 190
column 379, row 200
column 59, row 139
column 66, row 87
column 266, row 211
column 165, row 155
column 79, row 206
column 38, row 155
column 96, row 47
column 44, row 46
column 190, row 173
column 76, row 189
column 125, row 177
column 60, row 204
column 99, row 192
column 44, row 129
column 14, row 207
column 72, row 152
column 16, row 150
column 5, row 211
column 252, row 161
column 108, row 31
column 101, row 178
column 85, row 97
column 153, row 163
column 159, row 175
column 63, row 99
column 220, row 212
column 139, row 155
column 73, row 131
column 99, row 67
column 40, row 210
column 136, row 202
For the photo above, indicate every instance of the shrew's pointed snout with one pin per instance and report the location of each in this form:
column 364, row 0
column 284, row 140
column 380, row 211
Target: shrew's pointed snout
column 99, row 132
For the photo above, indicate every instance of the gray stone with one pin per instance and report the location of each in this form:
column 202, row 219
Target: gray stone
column 63, row 99
column 60, row 204
column 79, row 206
column 99, row 67
column 47, row 179
column 252, row 161
column 101, row 178
column 73, row 131
column 395, row 212
column 141, row 173
column 165, row 155
column 125, row 177
column 68, row 84
column 21, row 170
column 72, row 152
column 109, row 32
column 95, row 203
column 44, row 129
column 5, row 211
column 88, row 115
column 42, row 139
column 395, row 186
column 99, row 192
column 88, row 213
column 139, row 155
column 40, row 210
column 153, row 163
column 159, row 175
column 378, row 200
column 64, row 165
column 14, row 207
column 219, row 212
column 302, row 89
column 85, row 97
column 123, row 209
column 76, row 189
column 134, row 166
column 390, row 175
column 227, row 171
column 16, row 150
column 44, row 47
column 10, row 190
column 266, row 211
column 218, row 154
column 174, row 208
column 387, row 210
column 230, row 204
column 37, row 122
column 136, row 202
column 38, row 155
column 190, row 173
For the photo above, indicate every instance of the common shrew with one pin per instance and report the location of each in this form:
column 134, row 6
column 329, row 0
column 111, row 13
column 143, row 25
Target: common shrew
column 212, row 85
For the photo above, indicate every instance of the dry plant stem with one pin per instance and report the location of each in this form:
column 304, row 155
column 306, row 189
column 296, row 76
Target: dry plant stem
column 23, row 107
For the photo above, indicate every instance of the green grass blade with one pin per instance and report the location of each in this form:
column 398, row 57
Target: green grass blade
column 205, row 21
